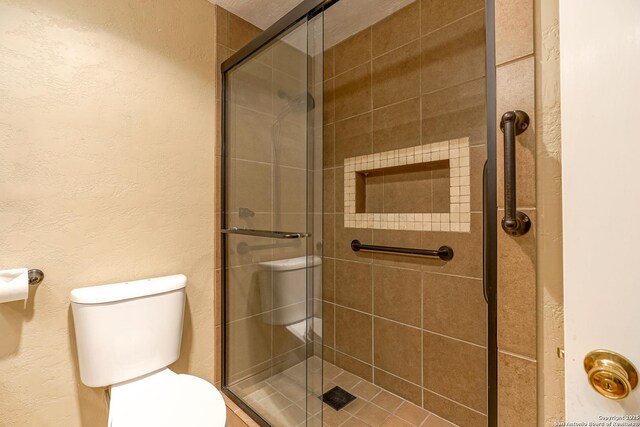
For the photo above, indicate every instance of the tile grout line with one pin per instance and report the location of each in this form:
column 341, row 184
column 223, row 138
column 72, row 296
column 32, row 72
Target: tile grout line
column 518, row 356
column 514, row 60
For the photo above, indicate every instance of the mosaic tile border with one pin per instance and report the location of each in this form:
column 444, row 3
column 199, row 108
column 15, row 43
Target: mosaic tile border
column 458, row 219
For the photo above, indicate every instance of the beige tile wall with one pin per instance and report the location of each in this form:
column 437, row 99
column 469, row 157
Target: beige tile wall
column 517, row 259
column 413, row 79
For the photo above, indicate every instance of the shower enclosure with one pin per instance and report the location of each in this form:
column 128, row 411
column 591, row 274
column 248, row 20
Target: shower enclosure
column 358, row 246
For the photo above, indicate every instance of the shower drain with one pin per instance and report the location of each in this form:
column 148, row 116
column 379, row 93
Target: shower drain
column 337, row 398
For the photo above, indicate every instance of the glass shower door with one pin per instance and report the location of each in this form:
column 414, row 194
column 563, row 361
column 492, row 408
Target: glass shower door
column 272, row 226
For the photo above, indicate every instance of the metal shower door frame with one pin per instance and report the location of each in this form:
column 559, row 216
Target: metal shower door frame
column 307, row 9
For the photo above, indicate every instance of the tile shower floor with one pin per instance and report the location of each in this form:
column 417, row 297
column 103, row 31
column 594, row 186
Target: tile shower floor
column 282, row 399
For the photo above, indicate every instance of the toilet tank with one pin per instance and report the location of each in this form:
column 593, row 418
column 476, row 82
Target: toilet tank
column 283, row 288
column 126, row 330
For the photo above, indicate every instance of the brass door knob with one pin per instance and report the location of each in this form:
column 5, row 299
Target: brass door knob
column 610, row 374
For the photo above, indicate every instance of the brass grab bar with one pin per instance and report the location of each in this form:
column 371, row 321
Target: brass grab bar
column 265, row 233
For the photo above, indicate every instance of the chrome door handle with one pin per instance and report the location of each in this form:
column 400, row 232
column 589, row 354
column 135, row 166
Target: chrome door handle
column 513, row 123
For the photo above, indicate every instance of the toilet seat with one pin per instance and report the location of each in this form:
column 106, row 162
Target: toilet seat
column 166, row 399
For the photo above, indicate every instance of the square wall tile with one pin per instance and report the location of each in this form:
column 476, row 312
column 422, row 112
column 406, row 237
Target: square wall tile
column 397, row 349
column 328, row 326
column 436, row 14
column 328, row 194
column 254, row 179
column 352, row 92
column 253, row 86
column 353, row 137
column 397, row 29
column 456, row 370
column 328, row 63
column 467, row 248
column 249, row 343
column 396, row 75
column 252, row 140
column 354, row 51
column 514, row 29
column 517, row 397
column 455, row 306
column 290, row 58
column 454, row 54
column 406, row 239
column 353, row 285
column 328, row 241
column 354, row 333
column 328, row 156
column 395, row 294
column 343, row 241
column 328, row 278
column 517, row 330
column 455, row 112
column 246, row 291
column 397, row 126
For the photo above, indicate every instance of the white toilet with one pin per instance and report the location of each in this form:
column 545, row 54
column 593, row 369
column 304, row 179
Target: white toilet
column 288, row 278
column 127, row 334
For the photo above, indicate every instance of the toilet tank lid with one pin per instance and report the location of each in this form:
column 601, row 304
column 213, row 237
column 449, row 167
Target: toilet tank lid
column 128, row 290
column 291, row 263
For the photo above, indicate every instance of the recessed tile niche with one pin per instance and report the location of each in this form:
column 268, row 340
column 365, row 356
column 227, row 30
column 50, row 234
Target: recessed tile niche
column 425, row 188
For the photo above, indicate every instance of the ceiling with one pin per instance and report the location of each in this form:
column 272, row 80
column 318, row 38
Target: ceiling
column 261, row 13
column 341, row 20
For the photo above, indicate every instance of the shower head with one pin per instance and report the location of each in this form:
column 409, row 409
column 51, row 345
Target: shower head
column 300, row 103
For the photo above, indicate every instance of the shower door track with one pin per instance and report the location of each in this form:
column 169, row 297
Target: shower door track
column 308, row 9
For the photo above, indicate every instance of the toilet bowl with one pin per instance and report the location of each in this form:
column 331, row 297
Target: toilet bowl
column 166, row 399
column 127, row 334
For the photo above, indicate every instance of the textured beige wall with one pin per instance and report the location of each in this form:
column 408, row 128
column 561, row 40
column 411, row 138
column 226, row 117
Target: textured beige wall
column 107, row 128
column 549, row 180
